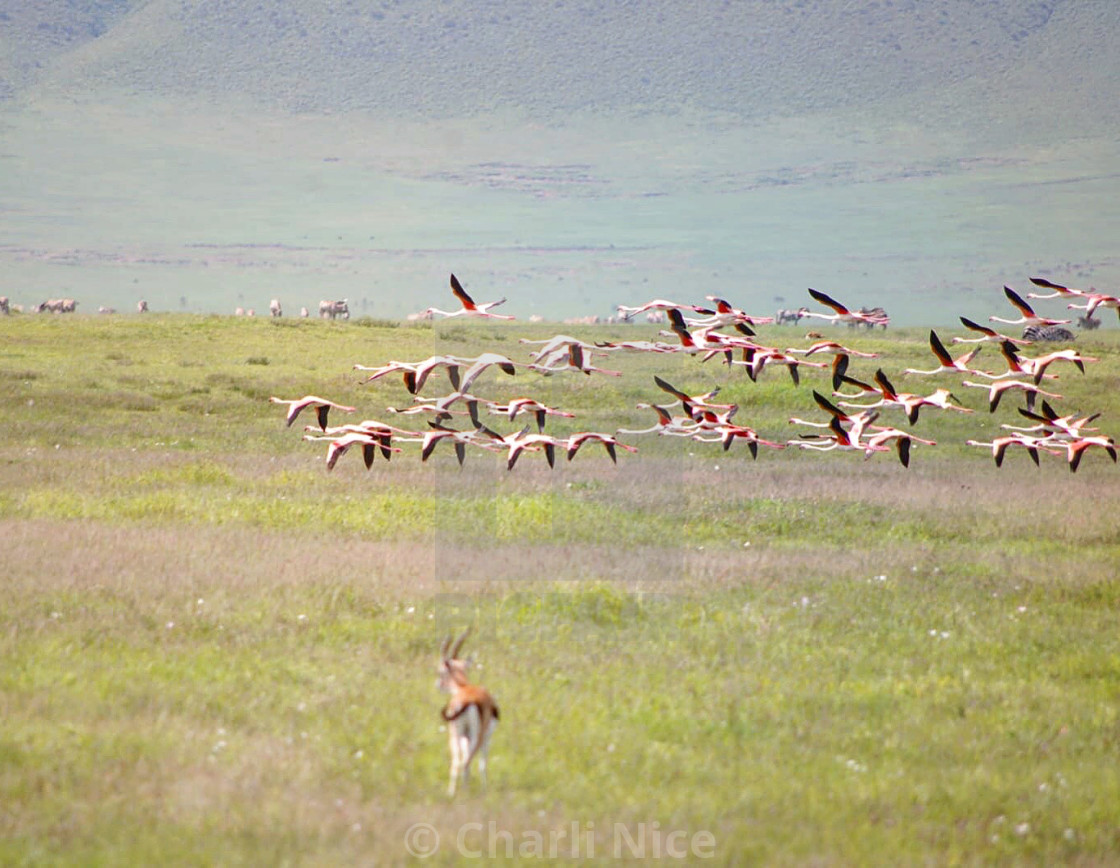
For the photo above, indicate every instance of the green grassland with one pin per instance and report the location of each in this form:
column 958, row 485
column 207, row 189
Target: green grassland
column 213, row 651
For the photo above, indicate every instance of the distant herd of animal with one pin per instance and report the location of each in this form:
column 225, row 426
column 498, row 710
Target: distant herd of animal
column 340, row 309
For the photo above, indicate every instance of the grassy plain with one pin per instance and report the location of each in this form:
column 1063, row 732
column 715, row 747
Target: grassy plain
column 212, row 651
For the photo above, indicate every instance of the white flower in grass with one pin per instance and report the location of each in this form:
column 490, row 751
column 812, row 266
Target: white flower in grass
column 1023, row 829
column 170, row 624
column 410, row 610
column 1069, row 834
column 301, row 617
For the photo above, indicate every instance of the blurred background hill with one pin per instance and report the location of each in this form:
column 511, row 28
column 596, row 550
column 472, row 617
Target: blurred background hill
column 889, row 151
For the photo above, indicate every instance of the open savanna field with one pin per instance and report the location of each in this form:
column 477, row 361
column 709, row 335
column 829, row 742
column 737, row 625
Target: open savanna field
column 214, row 651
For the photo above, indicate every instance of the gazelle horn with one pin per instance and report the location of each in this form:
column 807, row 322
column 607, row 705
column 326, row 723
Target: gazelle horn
column 459, row 644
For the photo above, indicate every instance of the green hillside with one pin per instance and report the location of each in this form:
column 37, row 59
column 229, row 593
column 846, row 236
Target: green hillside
column 957, row 61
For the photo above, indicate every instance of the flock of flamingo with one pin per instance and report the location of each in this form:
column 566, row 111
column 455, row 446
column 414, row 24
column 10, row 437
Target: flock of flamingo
column 719, row 330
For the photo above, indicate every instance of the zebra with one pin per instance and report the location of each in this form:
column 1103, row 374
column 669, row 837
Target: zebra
column 1048, row 333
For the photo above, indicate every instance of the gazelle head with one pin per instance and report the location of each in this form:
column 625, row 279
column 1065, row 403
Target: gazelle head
column 452, row 669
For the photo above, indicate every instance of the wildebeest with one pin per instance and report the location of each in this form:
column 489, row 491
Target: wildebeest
column 334, row 309
column 142, row 306
column 784, row 316
column 1089, row 322
column 880, row 316
column 5, row 308
column 56, row 305
column 274, row 307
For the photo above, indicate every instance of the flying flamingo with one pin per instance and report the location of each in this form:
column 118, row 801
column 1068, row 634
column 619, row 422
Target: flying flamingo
column 832, row 347
column 910, row 403
column 726, row 314
column 843, row 313
column 1000, row 445
column 322, row 408
column 370, row 444
column 380, row 432
column 986, row 335
column 416, row 374
column 523, row 441
column 1092, row 299
column 727, row 434
column 393, row 367
column 948, row 365
column 707, row 339
column 469, row 308
column 667, row 423
column 1071, row 425
column 755, row 359
column 484, row 361
column 554, row 343
column 460, row 439
column 1076, row 448
column 1095, row 300
column 693, row 404
column 629, row 313
column 1036, row 368
column 862, row 418
column 576, row 361
column 1029, row 317
column 441, row 407
column 866, row 390
column 1058, row 291
column 902, row 440
column 638, row 346
column 839, row 438
column 575, row 441
column 997, row 387
column 516, row 406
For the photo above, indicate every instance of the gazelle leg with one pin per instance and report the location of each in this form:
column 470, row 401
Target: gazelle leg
column 453, row 743
column 464, row 753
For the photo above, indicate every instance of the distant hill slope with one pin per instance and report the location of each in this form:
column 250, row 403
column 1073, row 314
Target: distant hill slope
column 958, row 62
column 34, row 34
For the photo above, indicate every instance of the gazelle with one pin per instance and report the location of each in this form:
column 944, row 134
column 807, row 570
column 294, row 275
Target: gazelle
column 471, row 714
